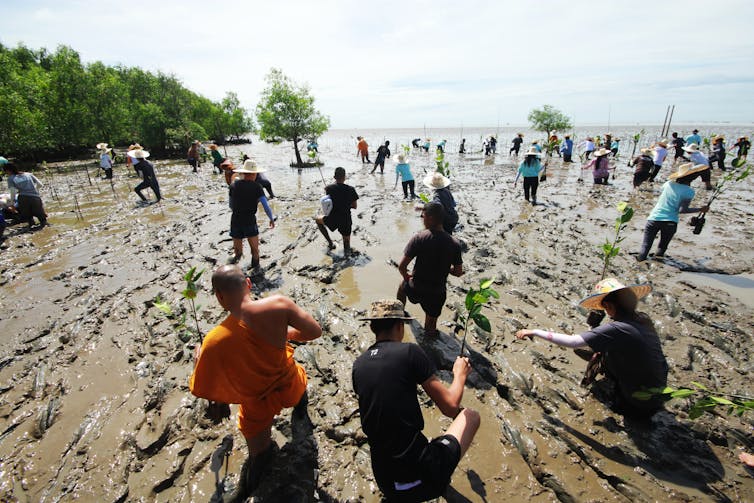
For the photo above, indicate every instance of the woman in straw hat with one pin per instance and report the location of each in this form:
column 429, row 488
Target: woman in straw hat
column 245, row 196
column 403, row 169
column 718, row 151
column 530, row 168
column 627, row 349
column 659, row 153
column 149, row 179
column 105, row 161
column 600, row 166
column 696, row 157
column 675, row 198
column 443, row 196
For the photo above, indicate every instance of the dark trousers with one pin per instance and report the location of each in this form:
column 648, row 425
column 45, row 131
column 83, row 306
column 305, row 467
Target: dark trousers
column 666, row 230
column 150, row 182
column 655, row 170
column 109, row 173
column 601, row 180
column 720, row 161
column 567, row 157
column 530, row 187
column 30, row 207
column 706, row 175
column 409, row 185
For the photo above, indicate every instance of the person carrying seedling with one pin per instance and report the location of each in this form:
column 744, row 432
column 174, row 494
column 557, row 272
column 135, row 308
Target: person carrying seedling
column 530, row 168
column 675, row 198
column 406, row 465
column 437, row 254
column 245, row 196
column 344, row 199
column 248, row 360
column 626, row 350
column 403, row 170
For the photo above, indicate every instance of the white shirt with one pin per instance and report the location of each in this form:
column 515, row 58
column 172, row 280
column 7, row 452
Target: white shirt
column 660, row 153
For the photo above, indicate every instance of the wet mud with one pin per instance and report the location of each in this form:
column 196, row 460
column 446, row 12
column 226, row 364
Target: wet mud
column 94, row 403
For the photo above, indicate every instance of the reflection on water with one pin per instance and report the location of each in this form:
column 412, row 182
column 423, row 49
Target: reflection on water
column 740, row 286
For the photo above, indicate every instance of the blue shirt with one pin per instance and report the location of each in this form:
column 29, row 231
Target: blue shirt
column 532, row 169
column 672, row 197
column 698, row 158
column 567, row 147
column 537, row 147
column 693, row 138
column 404, row 170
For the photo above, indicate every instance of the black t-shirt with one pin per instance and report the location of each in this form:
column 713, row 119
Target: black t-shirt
column 244, row 198
column 517, row 141
column 643, row 164
column 633, row 355
column 342, row 196
column 383, row 152
column 678, row 143
column 435, row 252
column 385, row 377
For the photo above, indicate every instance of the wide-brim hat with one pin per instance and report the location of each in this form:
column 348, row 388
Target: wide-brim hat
column 601, row 152
column 609, row 285
column 436, row 181
column 401, row 158
column 687, row 169
column 212, row 146
column 105, row 150
column 101, row 146
column 249, row 166
column 719, row 137
column 646, row 150
column 533, row 151
column 663, row 142
column 138, row 153
column 691, row 148
column 135, row 145
column 387, row 309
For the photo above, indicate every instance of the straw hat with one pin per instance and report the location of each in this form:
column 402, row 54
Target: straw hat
column 249, row 166
column 436, row 181
column 138, row 153
column 387, row 309
column 718, row 137
column 663, row 143
column 609, row 285
column 101, row 146
column 401, row 158
column 646, row 150
column 601, row 152
column 535, row 142
column 135, row 145
column 691, row 148
column 105, row 150
column 212, row 146
column 687, row 169
column 533, row 151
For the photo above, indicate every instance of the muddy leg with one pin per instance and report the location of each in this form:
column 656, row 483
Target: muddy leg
column 321, row 226
column 347, row 244
column 237, row 250
column 254, row 244
column 430, row 325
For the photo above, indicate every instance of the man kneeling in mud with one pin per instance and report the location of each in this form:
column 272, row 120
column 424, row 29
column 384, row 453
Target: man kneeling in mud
column 406, row 466
column 247, row 360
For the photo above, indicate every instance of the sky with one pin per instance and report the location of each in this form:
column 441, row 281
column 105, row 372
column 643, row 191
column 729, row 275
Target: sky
column 436, row 63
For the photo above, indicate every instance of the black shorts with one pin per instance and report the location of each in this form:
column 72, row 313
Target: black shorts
column 435, row 467
column 640, row 177
column 244, row 231
column 431, row 300
column 340, row 223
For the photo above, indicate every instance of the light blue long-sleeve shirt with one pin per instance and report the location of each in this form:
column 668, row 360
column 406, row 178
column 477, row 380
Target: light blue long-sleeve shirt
column 693, row 138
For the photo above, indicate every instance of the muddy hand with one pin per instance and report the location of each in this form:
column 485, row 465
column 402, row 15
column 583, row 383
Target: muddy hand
column 594, row 318
column 524, row 334
column 461, row 367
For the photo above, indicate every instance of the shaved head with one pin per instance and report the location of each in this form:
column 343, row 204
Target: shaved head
column 228, row 279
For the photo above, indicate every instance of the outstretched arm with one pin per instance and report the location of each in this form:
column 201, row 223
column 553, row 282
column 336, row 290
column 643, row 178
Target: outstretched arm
column 302, row 326
column 566, row 341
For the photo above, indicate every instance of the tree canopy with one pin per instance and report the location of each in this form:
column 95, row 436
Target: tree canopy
column 53, row 102
column 549, row 120
column 286, row 110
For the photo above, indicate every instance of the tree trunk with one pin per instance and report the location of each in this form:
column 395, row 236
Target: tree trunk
column 299, row 162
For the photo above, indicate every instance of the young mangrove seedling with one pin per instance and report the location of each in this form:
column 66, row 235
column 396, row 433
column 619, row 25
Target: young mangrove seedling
column 476, row 299
column 443, row 166
column 706, row 400
column 611, row 250
column 189, row 293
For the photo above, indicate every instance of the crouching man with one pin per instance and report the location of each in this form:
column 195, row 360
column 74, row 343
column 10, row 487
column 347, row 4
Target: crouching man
column 247, row 360
column 406, row 465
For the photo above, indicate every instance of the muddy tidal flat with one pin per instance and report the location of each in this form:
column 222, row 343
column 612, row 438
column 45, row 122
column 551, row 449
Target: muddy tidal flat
column 94, row 401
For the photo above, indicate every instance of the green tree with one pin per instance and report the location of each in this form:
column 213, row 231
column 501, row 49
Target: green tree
column 549, row 120
column 238, row 121
column 286, row 110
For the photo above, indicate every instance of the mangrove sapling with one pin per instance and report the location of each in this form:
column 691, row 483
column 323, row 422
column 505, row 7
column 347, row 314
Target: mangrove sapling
column 179, row 322
column 635, row 138
column 704, row 399
column 723, row 184
column 443, row 166
column 476, row 299
column 189, row 293
column 611, row 250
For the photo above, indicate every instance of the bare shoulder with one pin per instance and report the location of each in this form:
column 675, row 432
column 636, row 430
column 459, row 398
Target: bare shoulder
column 275, row 303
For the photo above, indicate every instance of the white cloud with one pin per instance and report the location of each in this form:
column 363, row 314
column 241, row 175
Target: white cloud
column 405, row 63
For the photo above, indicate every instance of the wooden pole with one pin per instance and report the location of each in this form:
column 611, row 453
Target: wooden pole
column 664, row 122
column 670, row 119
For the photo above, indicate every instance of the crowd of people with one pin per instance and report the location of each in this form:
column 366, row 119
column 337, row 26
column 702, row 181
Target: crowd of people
column 248, row 359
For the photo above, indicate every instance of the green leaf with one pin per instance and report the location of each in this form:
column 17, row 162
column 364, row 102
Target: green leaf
column 614, row 252
column 164, row 307
column 627, row 215
column 721, row 401
column 482, row 322
column 682, row 393
column 695, row 413
column 189, row 293
column 493, row 293
column 470, row 299
column 424, row 198
column 607, row 249
column 480, row 298
column 484, row 285
column 621, row 206
column 699, row 385
column 189, row 274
